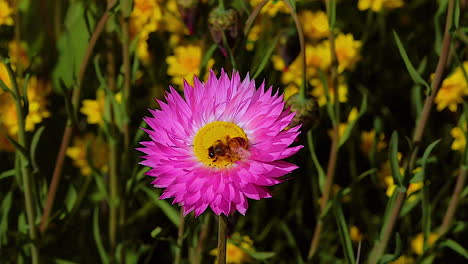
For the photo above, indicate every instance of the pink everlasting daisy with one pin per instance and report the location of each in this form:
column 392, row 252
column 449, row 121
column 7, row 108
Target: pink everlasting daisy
column 221, row 144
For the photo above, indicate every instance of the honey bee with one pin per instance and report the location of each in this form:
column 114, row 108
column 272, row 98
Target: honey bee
column 233, row 148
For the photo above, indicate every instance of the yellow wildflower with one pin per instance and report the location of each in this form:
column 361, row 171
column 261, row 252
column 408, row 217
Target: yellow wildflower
column 404, row 260
column 459, row 140
column 145, row 13
column 98, row 153
column 347, row 51
column 315, row 24
column 94, row 109
column 367, row 140
column 18, row 54
column 355, row 234
column 271, row 8
column 412, row 188
column 185, row 63
column 37, row 92
column 417, row 244
column 142, row 47
column 173, row 23
column 253, row 36
column 317, row 57
column 6, row 13
column 237, row 254
column 319, row 92
column 378, row 5
column 278, row 62
column 4, row 76
column 452, row 90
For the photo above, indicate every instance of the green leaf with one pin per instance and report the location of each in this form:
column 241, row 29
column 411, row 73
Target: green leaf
column 265, row 57
column 7, row 174
column 409, row 66
column 63, row 261
column 393, row 157
column 170, row 212
column 343, row 230
column 5, row 210
column 71, row 198
column 437, row 25
column 313, row 155
column 156, row 232
column 452, row 244
column 262, row 255
column 97, row 237
column 426, row 155
column 456, row 14
column 350, row 126
column 34, row 142
column 387, row 258
column 329, row 105
column 72, row 44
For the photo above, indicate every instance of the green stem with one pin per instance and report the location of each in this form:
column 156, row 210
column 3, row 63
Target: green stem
column 180, row 238
column 114, row 199
column 69, row 129
column 380, row 246
column 222, row 239
column 253, row 15
column 202, row 239
column 25, row 172
column 300, row 33
column 114, row 203
column 333, row 158
column 221, row 4
column 450, row 213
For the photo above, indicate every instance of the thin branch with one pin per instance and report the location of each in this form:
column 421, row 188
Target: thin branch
column 379, row 247
column 69, row 129
column 333, row 148
column 253, row 15
column 449, row 214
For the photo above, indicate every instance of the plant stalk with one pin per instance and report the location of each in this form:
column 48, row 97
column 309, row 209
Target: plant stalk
column 69, row 128
column 25, row 172
column 222, row 239
column 300, row 33
column 379, row 248
column 449, row 214
column 333, row 157
column 180, row 238
column 253, row 15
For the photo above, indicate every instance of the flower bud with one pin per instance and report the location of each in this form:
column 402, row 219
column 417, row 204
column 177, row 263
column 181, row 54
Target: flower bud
column 307, row 111
column 223, row 21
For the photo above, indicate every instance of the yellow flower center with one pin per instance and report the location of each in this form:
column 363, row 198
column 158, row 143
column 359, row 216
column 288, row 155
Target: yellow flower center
column 220, row 144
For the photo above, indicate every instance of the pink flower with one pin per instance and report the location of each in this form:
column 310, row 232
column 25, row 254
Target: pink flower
column 221, row 144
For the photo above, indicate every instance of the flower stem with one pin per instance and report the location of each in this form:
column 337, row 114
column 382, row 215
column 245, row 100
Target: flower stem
column 379, row 247
column 222, row 238
column 448, row 218
column 180, row 238
column 25, row 172
column 332, row 160
column 202, row 239
column 300, row 33
column 253, row 15
column 69, row 129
